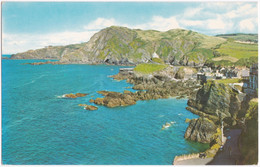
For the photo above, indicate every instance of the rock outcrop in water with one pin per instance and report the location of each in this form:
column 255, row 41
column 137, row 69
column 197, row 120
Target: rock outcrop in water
column 73, row 96
column 201, row 130
column 88, row 107
column 81, row 94
column 115, row 99
column 124, row 46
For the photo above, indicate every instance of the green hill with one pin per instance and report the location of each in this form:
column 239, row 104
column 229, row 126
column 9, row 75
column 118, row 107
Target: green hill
column 124, row 46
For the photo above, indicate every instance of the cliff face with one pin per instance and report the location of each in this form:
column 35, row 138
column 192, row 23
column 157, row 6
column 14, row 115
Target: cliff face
column 120, row 45
column 201, row 130
column 215, row 99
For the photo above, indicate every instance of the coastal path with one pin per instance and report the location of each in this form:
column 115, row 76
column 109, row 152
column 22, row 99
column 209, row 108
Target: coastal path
column 231, row 154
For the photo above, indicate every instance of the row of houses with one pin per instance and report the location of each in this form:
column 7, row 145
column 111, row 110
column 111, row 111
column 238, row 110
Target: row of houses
column 224, row 73
column 250, row 76
column 253, row 77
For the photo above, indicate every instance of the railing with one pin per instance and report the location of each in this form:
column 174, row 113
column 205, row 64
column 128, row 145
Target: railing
column 185, row 157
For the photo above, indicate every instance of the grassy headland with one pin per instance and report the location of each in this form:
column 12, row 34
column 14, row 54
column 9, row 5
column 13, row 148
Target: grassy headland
column 149, row 68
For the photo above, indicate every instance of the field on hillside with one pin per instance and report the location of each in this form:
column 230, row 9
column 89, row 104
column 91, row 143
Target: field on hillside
column 238, row 50
column 240, row 37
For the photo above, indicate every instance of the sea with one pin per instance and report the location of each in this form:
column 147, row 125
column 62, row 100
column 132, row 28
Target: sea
column 40, row 127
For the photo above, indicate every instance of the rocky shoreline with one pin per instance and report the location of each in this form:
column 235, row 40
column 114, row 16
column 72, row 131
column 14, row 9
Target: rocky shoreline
column 148, row 87
column 62, row 62
column 215, row 103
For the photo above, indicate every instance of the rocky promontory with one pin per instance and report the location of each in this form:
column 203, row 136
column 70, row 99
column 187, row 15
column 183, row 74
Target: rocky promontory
column 219, row 100
column 158, row 85
column 201, row 130
column 115, row 99
column 46, row 62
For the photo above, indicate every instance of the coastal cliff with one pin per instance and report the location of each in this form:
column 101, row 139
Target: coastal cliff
column 124, row 46
column 218, row 100
column 201, row 130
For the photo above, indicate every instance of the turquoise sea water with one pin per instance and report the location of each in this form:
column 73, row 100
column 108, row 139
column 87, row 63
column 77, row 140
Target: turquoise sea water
column 40, row 127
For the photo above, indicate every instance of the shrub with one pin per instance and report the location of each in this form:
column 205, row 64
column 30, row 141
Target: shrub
column 158, row 60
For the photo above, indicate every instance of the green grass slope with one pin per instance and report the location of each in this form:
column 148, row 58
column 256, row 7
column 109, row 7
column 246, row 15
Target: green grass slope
column 238, row 50
column 240, row 37
column 146, row 68
column 233, row 53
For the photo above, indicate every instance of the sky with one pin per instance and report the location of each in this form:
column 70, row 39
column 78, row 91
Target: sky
column 33, row 25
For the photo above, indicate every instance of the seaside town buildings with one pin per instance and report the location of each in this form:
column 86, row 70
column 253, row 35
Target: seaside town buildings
column 253, row 77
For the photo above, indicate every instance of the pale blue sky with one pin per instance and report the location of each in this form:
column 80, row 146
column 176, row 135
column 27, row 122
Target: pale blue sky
column 31, row 25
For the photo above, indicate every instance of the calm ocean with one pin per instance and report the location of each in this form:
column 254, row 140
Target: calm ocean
column 40, row 127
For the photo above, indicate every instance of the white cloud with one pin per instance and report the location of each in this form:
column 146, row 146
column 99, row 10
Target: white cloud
column 221, row 6
column 221, row 17
column 192, row 12
column 243, row 10
column 159, row 23
column 247, row 25
column 216, row 24
column 100, row 23
column 232, row 14
column 14, row 43
column 194, row 23
column 156, row 23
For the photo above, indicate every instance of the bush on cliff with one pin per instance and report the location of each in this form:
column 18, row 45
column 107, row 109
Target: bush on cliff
column 157, row 60
column 249, row 136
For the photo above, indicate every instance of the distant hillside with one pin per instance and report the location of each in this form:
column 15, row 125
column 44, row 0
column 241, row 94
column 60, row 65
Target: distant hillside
column 49, row 52
column 240, row 37
column 239, row 50
column 124, row 46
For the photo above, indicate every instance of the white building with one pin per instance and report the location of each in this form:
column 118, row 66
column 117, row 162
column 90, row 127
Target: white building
column 155, row 55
